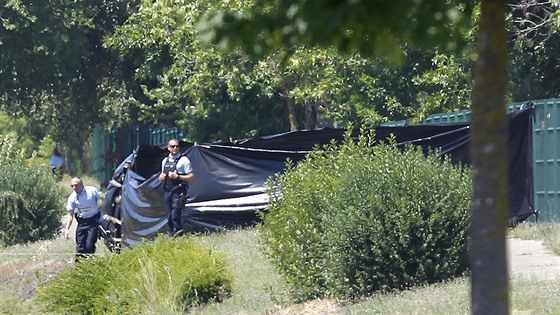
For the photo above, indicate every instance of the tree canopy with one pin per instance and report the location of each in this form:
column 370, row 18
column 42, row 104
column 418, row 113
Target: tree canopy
column 66, row 66
column 370, row 28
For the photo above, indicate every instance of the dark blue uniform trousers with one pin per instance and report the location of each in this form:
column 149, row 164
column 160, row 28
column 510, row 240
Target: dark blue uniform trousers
column 87, row 233
column 174, row 211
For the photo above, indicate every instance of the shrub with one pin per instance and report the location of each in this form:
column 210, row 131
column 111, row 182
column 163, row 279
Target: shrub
column 168, row 275
column 357, row 218
column 30, row 199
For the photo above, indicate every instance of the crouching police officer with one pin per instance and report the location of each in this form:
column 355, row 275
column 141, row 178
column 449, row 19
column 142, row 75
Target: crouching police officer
column 176, row 173
column 83, row 204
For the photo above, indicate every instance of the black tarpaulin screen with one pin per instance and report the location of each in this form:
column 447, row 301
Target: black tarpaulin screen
column 230, row 176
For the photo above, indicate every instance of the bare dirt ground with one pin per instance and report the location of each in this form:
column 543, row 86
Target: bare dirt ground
column 22, row 277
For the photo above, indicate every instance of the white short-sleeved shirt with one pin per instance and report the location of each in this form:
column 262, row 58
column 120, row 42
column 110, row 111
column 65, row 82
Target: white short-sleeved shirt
column 84, row 203
column 184, row 165
column 56, row 161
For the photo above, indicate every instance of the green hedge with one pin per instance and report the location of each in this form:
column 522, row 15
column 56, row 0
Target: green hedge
column 163, row 277
column 358, row 218
column 30, row 199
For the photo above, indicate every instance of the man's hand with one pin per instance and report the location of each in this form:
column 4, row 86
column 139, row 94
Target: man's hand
column 162, row 177
column 67, row 233
column 173, row 175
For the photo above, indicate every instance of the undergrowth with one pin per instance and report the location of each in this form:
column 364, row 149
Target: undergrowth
column 357, row 218
column 256, row 286
column 30, row 198
column 170, row 275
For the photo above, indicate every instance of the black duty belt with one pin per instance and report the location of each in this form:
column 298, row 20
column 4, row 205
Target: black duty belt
column 95, row 218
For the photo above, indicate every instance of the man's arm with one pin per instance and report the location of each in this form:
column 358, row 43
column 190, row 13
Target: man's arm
column 185, row 173
column 100, row 196
column 69, row 219
column 162, row 175
column 183, row 177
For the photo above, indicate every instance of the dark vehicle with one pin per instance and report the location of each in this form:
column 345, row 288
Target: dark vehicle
column 110, row 225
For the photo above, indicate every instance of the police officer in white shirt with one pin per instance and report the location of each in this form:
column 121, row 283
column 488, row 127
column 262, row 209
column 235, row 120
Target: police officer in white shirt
column 56, row 162
column 83, row 204
column 176, row 172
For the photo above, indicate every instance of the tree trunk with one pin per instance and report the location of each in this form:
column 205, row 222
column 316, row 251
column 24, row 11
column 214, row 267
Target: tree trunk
column 310, row 115
column 489, row 278
column 290, row 109
column 314, row 115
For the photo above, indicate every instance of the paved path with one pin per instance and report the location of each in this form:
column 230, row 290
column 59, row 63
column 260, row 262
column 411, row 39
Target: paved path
column 527, row 258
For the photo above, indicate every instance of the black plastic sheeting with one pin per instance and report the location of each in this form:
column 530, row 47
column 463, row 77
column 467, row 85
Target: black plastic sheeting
column 229, row 186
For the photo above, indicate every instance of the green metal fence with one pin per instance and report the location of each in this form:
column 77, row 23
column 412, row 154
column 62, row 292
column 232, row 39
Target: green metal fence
column 546, row 159
column 111, row 147
column 464, row 115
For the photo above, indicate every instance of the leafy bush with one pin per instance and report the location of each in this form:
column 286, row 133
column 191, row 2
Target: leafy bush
column 168, row 275
column 358, row 218
column 30, row 199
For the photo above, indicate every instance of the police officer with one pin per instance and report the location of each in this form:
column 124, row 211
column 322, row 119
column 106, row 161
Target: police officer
column 56, row 162
column 83, row 204
column 176, row 173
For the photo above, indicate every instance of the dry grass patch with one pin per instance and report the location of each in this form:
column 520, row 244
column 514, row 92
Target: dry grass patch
column 548, row 232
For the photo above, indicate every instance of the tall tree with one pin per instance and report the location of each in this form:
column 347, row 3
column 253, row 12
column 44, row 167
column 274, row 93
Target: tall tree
column 489, row 277
column 377, row 27
column 535, row 36
column 217, row 95
column 177, row 83
column 52, row 63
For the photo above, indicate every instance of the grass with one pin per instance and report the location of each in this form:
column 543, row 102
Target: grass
column 22, row 266
column 258, row 289
column 547, row 232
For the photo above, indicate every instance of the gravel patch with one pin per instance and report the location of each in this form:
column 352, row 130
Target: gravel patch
column 530, row 259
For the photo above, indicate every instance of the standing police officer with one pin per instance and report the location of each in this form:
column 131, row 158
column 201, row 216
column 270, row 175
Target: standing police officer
column 82, row 203
column 56, row 162
column 176, row 172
